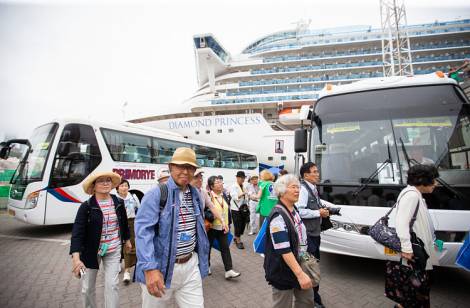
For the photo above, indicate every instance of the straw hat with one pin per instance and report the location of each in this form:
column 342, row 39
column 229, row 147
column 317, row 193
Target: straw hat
column 184, row 156
column 88, row 185
column 198, row 171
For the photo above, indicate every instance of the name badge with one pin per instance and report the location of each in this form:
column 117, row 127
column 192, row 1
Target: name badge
column 185, row 237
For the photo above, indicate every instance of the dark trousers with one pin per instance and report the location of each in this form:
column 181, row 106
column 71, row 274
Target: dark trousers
column 240, row 219
column 313, row 246
column 222, row 238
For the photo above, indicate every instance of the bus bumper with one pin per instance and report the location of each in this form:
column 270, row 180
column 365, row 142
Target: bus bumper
column 361, row 245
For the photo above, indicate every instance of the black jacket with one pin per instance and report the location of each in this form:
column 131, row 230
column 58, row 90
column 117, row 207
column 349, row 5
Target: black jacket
column 87, row 228
column 277, row 272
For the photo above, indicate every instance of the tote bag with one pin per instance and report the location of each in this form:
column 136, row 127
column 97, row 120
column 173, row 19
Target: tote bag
column 463, row 257
column 216, row 244
column 259, row 242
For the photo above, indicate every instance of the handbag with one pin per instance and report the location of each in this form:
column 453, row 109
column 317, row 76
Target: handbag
column 326, row 223
column 311, row 266
column 420, row 256
column 387, row 236
column 406, row 285
column 208, row 218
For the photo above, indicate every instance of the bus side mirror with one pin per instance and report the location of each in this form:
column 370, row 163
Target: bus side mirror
column 300, row 145
column 4, row 150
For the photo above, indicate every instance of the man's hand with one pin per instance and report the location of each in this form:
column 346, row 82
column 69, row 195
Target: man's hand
column 324, row 213
column 304, row 281
column 154, row 282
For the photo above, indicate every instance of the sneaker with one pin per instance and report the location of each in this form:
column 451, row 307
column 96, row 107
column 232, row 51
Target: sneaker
column 127, row 277
column 210, row 272
column 231, row 274
column 251, row 233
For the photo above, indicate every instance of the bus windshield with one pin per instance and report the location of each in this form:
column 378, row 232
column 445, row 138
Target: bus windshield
column 31, row 168
column 356, row 133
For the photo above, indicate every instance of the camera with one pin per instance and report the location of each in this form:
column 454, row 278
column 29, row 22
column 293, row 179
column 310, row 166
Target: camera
column 334, row 210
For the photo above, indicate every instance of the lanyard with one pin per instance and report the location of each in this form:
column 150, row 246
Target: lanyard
column 297, row 223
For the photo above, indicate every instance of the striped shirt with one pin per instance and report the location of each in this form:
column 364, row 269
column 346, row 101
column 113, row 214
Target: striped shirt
column 186, row 233
column 280, row 234
column 110, row 230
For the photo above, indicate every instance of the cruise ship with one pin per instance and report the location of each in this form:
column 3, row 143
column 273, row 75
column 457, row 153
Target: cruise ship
column 252, row 100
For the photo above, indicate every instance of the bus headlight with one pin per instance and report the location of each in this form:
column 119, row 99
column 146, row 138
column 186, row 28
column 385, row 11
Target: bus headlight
column 32, row 200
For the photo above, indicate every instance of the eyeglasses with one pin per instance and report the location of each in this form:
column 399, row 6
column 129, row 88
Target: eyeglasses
column 188, row 168
column 103, row 180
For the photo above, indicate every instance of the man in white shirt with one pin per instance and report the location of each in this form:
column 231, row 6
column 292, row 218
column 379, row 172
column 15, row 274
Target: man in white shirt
column 312, row 211
column 239, row 208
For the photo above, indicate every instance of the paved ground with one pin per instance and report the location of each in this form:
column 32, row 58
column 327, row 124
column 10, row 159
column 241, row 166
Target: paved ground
column 35, row 272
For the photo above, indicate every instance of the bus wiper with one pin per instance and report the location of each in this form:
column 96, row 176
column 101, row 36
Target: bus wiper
column 439, row 180
column 376, row 172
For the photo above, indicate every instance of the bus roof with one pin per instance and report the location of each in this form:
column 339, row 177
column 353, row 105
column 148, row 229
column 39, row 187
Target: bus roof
column 146, row 130
column 387, row 82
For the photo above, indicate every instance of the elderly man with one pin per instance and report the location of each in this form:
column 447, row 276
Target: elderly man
column 172, row 245
column 311, row 211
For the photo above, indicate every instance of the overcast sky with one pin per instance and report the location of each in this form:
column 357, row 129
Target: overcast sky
column 86, row 59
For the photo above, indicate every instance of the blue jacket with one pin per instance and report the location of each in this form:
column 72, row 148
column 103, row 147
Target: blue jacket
column 155, row 233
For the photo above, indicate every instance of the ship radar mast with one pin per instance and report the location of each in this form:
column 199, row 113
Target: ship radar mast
column 396, row 53
column 301, row 27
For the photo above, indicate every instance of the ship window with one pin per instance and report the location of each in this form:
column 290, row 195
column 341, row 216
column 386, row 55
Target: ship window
column 283, row 158
column 270, row 158
column 208, row 131
column 196, row 132
column 230, row 130
column 219, row 131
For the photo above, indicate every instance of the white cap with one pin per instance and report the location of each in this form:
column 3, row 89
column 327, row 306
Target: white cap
column 163, row 173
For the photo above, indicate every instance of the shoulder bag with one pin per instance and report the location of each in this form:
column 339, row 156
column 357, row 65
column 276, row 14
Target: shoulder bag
column 387, row 236
column 309, row 264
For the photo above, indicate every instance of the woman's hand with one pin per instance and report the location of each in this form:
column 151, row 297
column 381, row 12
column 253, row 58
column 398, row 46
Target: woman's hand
column 304, row 281
column 406, row 255
column 226, row 228
column 77, row 265
column 128, row 246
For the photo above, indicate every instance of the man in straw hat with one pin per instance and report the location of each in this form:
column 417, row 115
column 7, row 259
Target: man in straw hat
column 172, row 244
column 99, row 230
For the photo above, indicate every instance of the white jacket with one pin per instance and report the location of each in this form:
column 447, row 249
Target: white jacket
column 423, row 226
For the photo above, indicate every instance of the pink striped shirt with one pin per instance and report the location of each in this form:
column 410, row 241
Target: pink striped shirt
column 110, row 231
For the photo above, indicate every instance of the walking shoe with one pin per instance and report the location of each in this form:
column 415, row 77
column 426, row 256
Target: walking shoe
column 210, row 272
column 240, row 245
column 231, row 274
column 127, row 277
column 252, row 233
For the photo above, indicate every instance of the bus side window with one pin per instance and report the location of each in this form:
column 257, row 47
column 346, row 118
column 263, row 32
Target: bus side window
column 76, row 156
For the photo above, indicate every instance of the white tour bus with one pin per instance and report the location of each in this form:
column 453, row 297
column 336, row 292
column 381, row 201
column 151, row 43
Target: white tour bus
column 365, row 135
column 46, row 188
